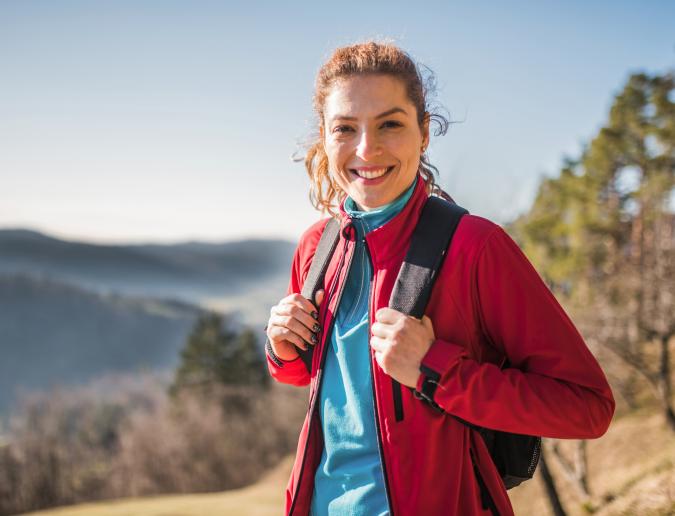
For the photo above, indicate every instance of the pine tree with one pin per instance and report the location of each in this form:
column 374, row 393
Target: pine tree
column 603, row 233
column 215, row 354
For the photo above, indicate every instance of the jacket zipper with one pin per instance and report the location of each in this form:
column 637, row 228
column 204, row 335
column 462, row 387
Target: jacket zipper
column 322, row 360
column 372, row 382
column 398, row 400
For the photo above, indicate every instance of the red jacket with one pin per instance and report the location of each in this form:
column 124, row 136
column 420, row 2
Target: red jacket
column 488, row 304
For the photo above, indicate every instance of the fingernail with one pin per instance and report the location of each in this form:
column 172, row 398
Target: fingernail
column 315, row 315
column 316, row 327
column 314, row 339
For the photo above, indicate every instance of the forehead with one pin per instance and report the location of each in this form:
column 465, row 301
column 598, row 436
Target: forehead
column 364, row 96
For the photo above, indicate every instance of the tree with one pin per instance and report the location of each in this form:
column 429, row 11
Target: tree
column 603, row 233
column 216, row 355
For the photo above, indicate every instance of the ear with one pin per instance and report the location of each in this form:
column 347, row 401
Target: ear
column 425, row 130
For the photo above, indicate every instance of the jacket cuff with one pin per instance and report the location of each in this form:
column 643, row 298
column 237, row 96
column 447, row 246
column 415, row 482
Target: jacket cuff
column 437, row 360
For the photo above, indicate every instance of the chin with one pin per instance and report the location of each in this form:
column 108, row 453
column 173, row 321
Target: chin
column 370, row 202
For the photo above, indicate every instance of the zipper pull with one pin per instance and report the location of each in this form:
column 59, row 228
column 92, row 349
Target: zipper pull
column 349, row 231
column 370, row 258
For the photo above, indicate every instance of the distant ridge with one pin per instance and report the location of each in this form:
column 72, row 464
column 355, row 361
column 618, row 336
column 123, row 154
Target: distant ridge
column 26, row 234
column 191, row 270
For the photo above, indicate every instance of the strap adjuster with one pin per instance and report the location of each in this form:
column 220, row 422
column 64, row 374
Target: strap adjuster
column 429, row 385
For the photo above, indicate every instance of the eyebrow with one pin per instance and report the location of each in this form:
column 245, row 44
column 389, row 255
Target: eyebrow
column 381, row 115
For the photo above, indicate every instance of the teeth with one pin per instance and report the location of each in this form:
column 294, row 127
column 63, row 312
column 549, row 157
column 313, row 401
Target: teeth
column 372, row 174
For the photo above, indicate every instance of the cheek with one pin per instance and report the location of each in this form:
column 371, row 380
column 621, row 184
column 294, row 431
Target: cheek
column 337, row 154
column 406, row 148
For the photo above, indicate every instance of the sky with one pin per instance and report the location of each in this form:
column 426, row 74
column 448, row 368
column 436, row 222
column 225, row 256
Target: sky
column 165, row 121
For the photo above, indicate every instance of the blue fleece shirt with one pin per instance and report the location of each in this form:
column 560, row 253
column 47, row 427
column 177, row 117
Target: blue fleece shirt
column 349, row 480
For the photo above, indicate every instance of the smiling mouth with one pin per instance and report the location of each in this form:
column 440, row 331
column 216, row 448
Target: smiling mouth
column 371, row 174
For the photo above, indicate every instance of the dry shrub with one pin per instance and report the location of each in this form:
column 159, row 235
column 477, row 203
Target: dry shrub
column 124, row 436
column 200, row 443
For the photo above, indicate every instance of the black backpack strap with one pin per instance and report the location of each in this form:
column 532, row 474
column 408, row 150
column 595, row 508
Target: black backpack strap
column 430, row 241
column 514, row 455
column 317, row 271
column 415, row 281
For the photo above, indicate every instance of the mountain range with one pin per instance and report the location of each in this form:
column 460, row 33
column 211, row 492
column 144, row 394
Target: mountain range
column 72, row 310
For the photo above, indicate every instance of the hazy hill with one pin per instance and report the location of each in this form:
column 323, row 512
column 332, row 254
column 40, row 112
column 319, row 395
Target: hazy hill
column 190, row 270
column 55, row 333
column 71, row 310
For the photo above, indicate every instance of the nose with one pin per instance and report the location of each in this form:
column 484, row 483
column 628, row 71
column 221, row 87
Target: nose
column 368, row 146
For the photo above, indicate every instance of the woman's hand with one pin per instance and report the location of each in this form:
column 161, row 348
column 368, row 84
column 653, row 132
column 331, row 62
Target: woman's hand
column 294, row 322
column 400, row 342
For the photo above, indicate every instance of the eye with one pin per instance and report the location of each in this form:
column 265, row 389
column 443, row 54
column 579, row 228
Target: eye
column 341, row 129
column 392, row 124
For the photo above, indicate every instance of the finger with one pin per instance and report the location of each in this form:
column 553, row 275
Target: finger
column 281, row 333
column 301, row 302
column 298, row 313
column 379, row 344
column 379, row 357
column 284, row 335
column 381, row 330
column 388, row 315
column 291, row 323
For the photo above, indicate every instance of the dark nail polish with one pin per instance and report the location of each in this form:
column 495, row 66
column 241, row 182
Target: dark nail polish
column 314, row 339
column 316, row 327
column 315, row 315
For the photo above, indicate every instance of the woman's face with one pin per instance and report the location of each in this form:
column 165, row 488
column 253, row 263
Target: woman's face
column 372, row 138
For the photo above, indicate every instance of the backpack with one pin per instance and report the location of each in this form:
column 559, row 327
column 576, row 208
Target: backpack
column 515, row 455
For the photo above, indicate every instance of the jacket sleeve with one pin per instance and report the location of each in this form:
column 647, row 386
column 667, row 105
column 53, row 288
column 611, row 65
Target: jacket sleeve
column 554, row 386
column 293, row 371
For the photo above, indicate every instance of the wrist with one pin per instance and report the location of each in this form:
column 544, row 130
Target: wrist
column 283, row 351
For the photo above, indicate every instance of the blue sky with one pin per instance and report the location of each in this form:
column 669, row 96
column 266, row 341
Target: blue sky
column 162, row 121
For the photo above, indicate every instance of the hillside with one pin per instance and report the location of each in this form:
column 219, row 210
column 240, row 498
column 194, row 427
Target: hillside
column 265, row 498
column 632, row 472
column 55, row 333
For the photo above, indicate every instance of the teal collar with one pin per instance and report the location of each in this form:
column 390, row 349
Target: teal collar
column 373, row 219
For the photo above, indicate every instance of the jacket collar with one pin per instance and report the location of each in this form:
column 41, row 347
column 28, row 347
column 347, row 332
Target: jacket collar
column 392, row 238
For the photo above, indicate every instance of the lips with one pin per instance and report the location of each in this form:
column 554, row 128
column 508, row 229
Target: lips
column 371, row 172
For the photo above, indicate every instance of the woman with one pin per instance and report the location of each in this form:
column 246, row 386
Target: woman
column 357, row 452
